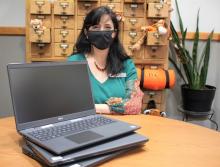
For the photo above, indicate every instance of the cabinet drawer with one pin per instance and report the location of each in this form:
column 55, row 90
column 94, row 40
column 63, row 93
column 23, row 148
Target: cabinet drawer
column 156, row 52
column 132, row 23
column 116, row 7
column 40, row 7
column 135, row 55
column 158, row 10
column 40, row 50
column 64, row 7
column 40, row 36
column 64, row 21
column 153, row 38
column 64, row 35
column 133, row 10
column 131, row 37
column 63, row 49
column 80, row 20
column 152, row 95
column 85, row 7
column 46, row 19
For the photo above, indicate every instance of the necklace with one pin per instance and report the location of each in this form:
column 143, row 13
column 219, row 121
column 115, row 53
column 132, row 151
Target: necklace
column 99, row 68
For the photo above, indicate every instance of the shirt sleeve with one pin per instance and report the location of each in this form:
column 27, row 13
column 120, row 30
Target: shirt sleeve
column 132, row 102
column 130, row 70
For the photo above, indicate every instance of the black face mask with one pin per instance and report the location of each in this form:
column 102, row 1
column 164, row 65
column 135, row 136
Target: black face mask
column 100, row 39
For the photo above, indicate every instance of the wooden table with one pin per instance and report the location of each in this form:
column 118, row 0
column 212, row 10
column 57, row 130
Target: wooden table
column 172, row 143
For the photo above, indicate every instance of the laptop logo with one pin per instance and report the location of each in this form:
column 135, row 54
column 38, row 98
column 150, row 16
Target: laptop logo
column 60, row 118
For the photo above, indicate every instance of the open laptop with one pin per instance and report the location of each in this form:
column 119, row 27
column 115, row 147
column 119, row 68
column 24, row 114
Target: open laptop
column 54, row 107
column 90, row 162
column 112, row 145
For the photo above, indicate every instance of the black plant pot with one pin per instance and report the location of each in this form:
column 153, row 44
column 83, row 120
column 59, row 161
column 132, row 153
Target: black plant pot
column 198, row 100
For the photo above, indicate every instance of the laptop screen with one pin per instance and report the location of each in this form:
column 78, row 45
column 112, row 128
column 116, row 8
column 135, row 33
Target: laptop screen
column 46, row 90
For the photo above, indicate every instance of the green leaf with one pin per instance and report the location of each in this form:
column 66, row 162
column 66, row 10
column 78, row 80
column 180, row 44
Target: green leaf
column 180, row 19
column 184, row 37
column 206, row 55
column 173, row 60
column 175, row 36
column 195, row 45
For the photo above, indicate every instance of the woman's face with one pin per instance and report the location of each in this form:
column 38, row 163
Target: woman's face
column 105, row 24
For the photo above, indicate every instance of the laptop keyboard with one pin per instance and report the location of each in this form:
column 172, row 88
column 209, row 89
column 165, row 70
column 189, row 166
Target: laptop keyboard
column 70, row 128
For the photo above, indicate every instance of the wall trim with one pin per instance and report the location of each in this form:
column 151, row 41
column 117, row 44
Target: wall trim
column 12, row 31
column 202, row 36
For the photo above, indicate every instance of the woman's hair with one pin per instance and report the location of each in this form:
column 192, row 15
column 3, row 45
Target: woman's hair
column 116, row 54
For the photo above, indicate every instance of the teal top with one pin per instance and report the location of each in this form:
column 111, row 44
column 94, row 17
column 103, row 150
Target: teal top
column 114, row 86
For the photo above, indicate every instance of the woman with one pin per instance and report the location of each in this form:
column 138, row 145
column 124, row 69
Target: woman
column 112, row 73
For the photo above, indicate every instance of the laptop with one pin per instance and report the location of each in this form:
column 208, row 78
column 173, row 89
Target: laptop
column 90, row 162
column 116, row 144
column 54, row 107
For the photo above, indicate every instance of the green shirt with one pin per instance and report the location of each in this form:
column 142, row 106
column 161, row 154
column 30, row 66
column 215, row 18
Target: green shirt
column 113, row 86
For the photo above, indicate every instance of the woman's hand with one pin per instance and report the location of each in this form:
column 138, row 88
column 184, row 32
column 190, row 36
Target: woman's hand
column 102, row 109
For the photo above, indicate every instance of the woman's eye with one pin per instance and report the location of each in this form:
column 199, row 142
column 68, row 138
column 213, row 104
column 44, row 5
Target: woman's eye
column 108, row 28
column 95, row 27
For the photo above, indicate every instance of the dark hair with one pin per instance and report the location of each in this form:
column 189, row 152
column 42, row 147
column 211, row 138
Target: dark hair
column 116, row 54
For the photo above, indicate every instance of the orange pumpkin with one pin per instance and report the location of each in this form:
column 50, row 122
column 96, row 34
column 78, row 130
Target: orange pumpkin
column 156, row 79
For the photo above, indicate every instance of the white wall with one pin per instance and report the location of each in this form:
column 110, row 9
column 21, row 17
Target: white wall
column 209, row 14
column 12, row 13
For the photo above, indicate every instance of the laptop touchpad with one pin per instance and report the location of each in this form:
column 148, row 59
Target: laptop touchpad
column 84, row 137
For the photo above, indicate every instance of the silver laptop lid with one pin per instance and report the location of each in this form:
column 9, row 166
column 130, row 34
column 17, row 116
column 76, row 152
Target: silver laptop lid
column 45, row 93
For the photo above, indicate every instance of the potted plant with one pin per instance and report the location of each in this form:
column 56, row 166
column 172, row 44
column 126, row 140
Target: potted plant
column 192, row 68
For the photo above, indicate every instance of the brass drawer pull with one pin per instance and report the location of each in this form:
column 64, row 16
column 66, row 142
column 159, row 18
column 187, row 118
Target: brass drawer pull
column 64, row 19
column 40, row 32
column 64, row 33
column 133, row 21
column 64, row 46
column 133, row 34
column 39, row 4
column 158, row 8
column 41, row 45
column 134, row 6
column 64, row 5
column 41, row 17
column 111, row 6
column 87, row 5
column 156, row 35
